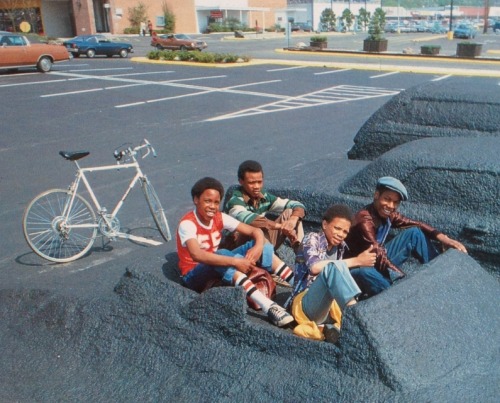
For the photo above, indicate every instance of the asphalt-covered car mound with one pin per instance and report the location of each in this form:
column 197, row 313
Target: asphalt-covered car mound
column 431, row 337
column 458, row 108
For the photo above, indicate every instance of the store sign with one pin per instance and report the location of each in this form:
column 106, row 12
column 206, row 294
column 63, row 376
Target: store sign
column 216, row 14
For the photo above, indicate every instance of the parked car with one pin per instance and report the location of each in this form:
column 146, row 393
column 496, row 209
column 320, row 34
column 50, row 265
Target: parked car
column 438, row 28
column 92, row 45
column 177, row 42
column 466, row 31
column 301, row 26
column 17, row 51
column 496, row 26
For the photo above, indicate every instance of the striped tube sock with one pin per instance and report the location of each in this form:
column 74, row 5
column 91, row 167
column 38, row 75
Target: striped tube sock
column 252, row 292
column 285, row 273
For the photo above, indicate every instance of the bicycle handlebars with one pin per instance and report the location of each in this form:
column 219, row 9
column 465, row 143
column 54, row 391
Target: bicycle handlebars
column 132, row 152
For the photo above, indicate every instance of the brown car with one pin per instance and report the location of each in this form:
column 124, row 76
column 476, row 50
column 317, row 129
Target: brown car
column 16, row 51
column 176, row 42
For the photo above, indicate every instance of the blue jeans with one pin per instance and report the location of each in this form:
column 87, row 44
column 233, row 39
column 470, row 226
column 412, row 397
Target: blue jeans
column 200, row 275
column 399, row 249
column 333, row 283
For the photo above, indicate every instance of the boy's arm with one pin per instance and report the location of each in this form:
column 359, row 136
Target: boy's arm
column 199, row 255
column 364, row 259
column 254, row 253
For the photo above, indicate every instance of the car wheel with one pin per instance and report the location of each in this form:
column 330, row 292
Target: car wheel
column 44, row 64
column 123, row 53
column 182, row 48
column 159, row 47
column 90, row 53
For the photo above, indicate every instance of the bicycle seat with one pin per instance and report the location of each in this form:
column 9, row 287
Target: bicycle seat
column 73, row 155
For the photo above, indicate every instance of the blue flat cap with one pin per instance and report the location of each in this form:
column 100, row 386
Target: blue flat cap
column 393, row 184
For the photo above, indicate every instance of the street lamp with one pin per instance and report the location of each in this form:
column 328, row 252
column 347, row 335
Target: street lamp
column 451, row 16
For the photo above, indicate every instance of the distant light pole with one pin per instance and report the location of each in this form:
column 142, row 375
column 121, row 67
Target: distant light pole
column 451, row 16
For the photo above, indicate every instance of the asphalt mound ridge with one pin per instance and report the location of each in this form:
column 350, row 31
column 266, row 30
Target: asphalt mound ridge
column 157, row 341
column 430, row 336
column 457, row 108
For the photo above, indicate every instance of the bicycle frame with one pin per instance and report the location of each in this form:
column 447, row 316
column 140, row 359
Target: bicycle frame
column 81, row 177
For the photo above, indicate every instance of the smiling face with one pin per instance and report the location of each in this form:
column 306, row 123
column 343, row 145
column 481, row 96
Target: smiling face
column 336, row 231
column 252, row 183
column 386, row 202
column 207, row 205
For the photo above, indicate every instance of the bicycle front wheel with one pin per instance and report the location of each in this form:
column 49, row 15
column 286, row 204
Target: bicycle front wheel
column 55, row 235
column 156, row 209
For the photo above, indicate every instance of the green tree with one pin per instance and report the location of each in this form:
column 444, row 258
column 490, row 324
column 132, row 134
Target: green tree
column 169, row 17
column 137, row 14
column 328, row 20
column 364, row 17
column 347, row 18
column 377, row 24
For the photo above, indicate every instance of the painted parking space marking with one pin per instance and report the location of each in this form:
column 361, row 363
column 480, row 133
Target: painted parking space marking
column 71, row 93
column 130, row 82
column 442, row 78
column 331, row 72
column 385, row 74
column 286, row 68
column 203, row 90
column 32, row 83
column 337, row 94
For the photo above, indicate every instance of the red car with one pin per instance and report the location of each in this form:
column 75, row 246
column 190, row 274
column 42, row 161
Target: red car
column 16, row 51
column 176, row 42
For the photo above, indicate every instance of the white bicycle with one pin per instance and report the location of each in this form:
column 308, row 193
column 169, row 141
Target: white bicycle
column 61, row 226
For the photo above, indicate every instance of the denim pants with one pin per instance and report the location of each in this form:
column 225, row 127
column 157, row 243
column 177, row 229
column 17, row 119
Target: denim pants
column 399, row 249
column 333, row 283
column 199, row 276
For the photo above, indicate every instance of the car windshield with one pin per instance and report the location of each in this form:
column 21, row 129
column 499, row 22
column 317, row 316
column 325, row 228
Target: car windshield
column 182, row 36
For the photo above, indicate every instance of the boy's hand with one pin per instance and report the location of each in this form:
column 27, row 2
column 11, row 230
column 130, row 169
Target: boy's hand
column 451, row 243
column 288, row 226
column 253, row 254
column 243, row 265
column 367, row 257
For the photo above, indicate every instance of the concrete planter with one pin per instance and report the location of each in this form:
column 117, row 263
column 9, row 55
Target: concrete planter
column 321, row 45
column 430, row 50
column 469, row 50
column 376, row 46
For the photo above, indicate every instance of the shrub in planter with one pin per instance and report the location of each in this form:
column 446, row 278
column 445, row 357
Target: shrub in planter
column 319, row 41
column 469, row 49
column 375, row 42
column 430, row 49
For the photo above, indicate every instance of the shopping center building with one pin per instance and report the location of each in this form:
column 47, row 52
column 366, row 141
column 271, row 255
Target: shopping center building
column 67, row 18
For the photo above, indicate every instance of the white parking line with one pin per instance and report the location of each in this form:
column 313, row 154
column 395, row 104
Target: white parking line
column 70, row 93
column 337, row 94
column 116, row 68
column 386, row 74
column 331, row 72
column 33, row 83
column 287, row 68
column 442, row 78
column 207, row 90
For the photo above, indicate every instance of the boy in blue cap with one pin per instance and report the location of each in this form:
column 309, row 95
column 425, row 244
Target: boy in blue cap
column 371, row 227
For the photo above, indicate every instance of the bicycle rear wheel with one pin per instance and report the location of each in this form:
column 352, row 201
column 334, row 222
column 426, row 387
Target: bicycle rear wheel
column 56, row 237
column 156, row 209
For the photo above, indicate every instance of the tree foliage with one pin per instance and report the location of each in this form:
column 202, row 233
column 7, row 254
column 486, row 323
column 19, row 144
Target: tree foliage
column 137, row 14
column 169, row 18
column 364, row 17
column 328, row 20
column 347, row 18
column 377, row 24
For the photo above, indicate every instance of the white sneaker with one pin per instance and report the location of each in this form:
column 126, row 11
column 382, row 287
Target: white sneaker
column 279, row 316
